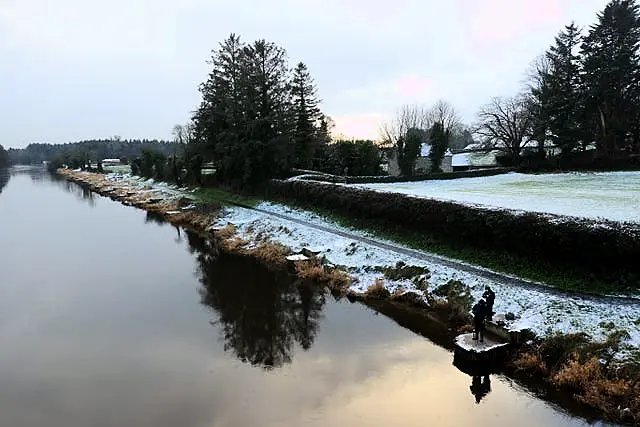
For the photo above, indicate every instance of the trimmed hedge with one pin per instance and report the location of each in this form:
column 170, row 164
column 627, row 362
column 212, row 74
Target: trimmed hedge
column 608, row 250
column 324, row 177
column 432, row 176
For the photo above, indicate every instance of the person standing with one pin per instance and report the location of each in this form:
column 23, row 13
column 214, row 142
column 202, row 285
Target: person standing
column 479, row 313
column 490, row 297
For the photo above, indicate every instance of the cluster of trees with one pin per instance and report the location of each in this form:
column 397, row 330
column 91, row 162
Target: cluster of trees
column 80, row 153
column 584, row 92
column 343, row 157
column 178, row 169
column 4, row 157
column 258, row 118
column 414, row 125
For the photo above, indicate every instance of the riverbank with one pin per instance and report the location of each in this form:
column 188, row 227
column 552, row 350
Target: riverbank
column 362, row 271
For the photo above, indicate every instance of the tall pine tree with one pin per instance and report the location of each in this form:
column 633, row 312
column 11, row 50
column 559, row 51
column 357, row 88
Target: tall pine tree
column 561, row 94
column 267, row 152
column 219, row 119
column 612, row 76
column 306, row 116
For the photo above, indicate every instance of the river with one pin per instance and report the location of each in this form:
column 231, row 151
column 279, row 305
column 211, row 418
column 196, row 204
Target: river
column 111, row 318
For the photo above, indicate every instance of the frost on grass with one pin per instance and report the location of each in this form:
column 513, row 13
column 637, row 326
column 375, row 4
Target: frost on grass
column 610, row 195
column 541, row 312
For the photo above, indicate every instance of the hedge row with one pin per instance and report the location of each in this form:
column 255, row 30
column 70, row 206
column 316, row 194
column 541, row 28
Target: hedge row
column 313, row 176
column 607, row 249
column 432, row 176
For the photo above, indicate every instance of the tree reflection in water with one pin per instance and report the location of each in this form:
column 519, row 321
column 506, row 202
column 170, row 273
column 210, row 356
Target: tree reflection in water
column 80, row 191
column 262, row 314
column 4, row 178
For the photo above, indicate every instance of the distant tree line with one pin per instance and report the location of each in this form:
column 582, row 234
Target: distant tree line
column 582, row 96
column 77, row 153
column 4, row 157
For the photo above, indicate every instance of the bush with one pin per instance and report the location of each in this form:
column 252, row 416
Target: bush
column 607, row 250
column 531, row 362
column 506, row 160
column 556, row 349
column 377, row 290
column 313, row 271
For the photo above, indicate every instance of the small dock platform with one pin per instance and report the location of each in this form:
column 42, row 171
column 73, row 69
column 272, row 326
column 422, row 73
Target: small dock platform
column 474, row 355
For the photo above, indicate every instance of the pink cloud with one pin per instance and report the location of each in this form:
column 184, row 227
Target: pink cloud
column 365, row 126
column 413, row 85
column 502, row 20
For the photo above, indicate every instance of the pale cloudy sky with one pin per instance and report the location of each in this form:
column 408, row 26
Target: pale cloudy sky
column 78, row 69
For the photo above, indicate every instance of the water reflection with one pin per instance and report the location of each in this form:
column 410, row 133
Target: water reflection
column 480, row 387
column 262, row 315
column 154, row 218
column 39, row 174
column 4, row 178
column 81, row 192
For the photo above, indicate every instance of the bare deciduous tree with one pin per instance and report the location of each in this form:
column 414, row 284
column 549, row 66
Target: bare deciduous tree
column 444, row 113
column 534, row 77
column 537, row 97
column 506, row 124
column 183, row 134
column 407, row 117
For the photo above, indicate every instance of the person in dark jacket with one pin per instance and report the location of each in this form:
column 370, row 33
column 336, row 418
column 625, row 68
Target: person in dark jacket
column 490, row 297
column 479, row 313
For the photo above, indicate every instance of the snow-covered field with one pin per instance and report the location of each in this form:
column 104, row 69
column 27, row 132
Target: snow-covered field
column 611, row 195
column 542, row 312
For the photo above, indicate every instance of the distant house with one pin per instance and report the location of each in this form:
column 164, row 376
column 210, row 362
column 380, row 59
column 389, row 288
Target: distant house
column 423, row 163
column 474, row 160
column 111, row 162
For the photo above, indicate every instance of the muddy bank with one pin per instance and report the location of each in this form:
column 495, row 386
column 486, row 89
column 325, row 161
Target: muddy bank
column 571, row 376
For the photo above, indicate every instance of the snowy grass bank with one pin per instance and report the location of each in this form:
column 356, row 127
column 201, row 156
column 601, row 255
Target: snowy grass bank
column 544, row 313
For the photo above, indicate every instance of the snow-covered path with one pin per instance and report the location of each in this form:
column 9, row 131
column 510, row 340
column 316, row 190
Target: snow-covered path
column 537, row 307
column 435, row 259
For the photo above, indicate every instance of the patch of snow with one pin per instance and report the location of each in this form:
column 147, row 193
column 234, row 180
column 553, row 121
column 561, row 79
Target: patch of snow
column 466, row 342
column 297, row 257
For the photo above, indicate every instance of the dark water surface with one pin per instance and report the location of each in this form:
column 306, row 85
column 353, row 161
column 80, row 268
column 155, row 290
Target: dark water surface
column 108, row 318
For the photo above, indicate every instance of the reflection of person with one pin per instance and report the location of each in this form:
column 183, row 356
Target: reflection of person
column 480, row 387
column 490, row 297
column 479, row 313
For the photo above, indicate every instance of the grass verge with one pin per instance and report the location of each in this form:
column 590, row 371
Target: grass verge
column 551, row 274
column 223, row 196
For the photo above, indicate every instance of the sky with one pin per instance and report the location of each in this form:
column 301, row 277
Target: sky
column 82, row 69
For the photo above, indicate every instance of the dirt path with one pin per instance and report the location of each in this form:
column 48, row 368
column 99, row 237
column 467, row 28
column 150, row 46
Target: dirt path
column 494, row 276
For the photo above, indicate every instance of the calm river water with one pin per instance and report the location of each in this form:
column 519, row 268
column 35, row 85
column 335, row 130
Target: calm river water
column 109, row 318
